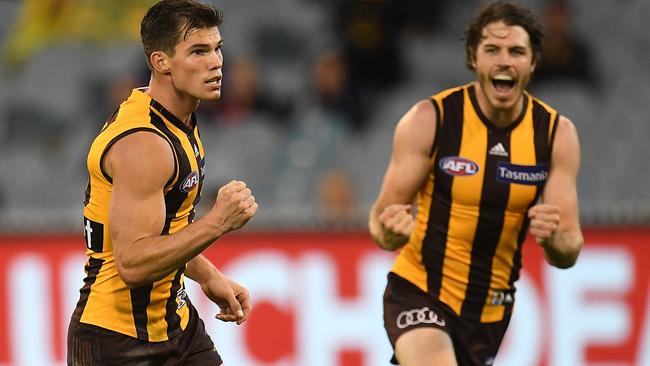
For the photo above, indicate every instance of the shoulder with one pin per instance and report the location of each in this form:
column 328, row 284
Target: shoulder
column 143, row 153
column 419, row 119
column 417, row 127
column 566, row 132
column 566, row 145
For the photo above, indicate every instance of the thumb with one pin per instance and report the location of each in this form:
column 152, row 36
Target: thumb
column 234, row 305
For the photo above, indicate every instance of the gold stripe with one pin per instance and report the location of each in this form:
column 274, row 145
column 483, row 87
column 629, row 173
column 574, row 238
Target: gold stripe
column 466, row 198
column 156, row 324
column 409, row 262
column 115, row 314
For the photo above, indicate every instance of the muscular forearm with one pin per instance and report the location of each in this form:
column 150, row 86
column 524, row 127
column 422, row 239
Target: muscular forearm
column 563, row 248
column 150, row 259
column 200, row 269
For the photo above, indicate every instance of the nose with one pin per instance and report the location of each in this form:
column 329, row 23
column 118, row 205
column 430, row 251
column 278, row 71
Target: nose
column 216, row 60
column 504, row 58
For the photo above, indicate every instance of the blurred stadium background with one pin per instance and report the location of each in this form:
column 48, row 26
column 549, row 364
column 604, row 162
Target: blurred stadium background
column 312, row 91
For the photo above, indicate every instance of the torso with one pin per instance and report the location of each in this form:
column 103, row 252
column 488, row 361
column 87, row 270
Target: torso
column 471, row 221
column 159, row 311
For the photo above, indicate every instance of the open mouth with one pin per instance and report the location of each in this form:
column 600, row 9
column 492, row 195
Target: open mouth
column 503, row 83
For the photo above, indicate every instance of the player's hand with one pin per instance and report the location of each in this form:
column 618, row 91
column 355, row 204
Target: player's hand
column 397, row 223
column 234, row 206
column 544, row 221
column 232, row 298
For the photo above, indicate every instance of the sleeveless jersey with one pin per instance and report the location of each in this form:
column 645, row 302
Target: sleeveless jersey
column 158, row 311
column 471, row 218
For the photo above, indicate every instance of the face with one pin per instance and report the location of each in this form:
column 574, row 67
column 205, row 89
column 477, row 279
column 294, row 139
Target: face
column 503, row 64
column 196, row 64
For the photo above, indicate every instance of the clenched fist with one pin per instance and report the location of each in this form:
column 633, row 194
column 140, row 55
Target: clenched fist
column 397, row 223
column 234, row 206
column 544, row 221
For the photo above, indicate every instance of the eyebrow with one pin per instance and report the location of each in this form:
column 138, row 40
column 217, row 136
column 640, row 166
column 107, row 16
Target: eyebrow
column 205, row 45
column 510, row 47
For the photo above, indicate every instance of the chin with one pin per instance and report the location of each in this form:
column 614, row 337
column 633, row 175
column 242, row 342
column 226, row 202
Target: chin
column 211, row 97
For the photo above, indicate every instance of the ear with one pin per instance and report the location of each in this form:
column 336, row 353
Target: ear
column 471, row 56
column 160, row 62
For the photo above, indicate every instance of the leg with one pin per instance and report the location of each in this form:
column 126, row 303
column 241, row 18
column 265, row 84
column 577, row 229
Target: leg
column 425, row 347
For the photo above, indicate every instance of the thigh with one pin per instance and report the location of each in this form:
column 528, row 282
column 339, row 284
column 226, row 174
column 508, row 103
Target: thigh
column 425, row 347
column 196, row 346
column 416, row 323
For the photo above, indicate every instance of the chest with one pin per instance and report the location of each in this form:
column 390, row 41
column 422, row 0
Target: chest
column 476, row 166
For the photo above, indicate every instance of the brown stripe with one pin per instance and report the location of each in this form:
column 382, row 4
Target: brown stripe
column 92, row 269
column 175, row 197
column 435, row 239
column 140, row 298
column 199, row 188
column 436, row 139
column 171, row 316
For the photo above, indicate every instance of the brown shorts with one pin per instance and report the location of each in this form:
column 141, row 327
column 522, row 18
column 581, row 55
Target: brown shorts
column 89, row 345
column 407, row 307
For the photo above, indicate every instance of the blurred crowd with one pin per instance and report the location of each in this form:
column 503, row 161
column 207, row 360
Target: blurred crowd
column 312, row 90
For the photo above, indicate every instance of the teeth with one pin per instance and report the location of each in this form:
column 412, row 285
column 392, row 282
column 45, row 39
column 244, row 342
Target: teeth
column 503, row 77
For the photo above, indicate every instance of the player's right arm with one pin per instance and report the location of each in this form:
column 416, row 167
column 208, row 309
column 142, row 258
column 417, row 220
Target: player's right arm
column 140, row 164
column 390, row 221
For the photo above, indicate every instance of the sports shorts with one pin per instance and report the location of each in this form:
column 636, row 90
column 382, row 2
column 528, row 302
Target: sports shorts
column 89, row 345
column 407, row 307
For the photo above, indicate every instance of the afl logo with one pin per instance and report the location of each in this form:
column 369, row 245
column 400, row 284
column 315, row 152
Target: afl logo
column 455, row 165
column 190, row 182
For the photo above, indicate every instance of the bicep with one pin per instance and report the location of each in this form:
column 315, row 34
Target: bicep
column 410, row 160
column 140, row 164
column 560, row 189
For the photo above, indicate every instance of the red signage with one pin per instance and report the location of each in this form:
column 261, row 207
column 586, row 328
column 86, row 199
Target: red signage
column 317, row 301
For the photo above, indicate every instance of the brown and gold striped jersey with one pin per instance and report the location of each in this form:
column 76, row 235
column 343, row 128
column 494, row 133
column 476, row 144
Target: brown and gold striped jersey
column 158, row 311
column 471, row 218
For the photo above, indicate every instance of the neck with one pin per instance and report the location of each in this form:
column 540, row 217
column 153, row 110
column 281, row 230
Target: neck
column 500, row 117
column 179, row 104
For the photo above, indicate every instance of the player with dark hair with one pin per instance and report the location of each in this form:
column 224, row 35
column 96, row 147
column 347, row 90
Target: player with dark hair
column 485, row 163
column 146, row 169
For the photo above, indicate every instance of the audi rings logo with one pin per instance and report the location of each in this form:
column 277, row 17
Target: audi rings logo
column 418, row 316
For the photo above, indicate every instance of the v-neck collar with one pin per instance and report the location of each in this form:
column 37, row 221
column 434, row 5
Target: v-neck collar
column 471, row 90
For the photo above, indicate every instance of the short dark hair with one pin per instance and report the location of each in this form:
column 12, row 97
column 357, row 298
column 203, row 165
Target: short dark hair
column 511, row 14
column 169, row 20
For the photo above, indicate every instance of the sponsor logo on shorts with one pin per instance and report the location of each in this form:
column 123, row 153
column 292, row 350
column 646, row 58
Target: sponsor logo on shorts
column 502, row 297
column 191, row 181
column 418, row 316
column 181, row 298
column 532, row 175
column 457, row 166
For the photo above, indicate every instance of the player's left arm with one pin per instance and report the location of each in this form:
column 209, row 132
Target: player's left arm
column 232, row 298
column 555, row 222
